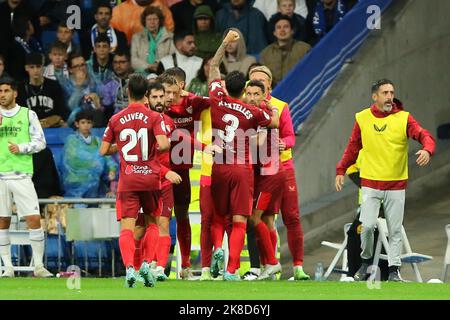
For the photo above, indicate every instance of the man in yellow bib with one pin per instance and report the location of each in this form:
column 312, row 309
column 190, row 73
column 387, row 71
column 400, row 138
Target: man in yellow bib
column 383, row 131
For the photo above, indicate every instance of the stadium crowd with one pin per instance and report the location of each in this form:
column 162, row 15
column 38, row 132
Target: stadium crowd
column 79, row 78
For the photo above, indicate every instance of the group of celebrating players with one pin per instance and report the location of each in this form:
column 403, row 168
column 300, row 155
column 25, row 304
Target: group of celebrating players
column 247, row 172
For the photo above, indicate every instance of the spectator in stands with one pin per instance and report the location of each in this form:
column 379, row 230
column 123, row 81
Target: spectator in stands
column 114, row 92
column 10, row 11
column 236, row 57
column 183, row 12
column 3, row 73
column 103, row 16
column 42, row 95
column 83, row 169
column 199, row 85
column 57, row 66
column 24, row 44
column 100, row 63
column 271, row 7
column 183, row 57
column 51, row 13
column 250, row 21
column 126, row 16
column 206, row 39
column 152, row 43
column 287, row 7
column 285, row 52
column 326, row 14
column 66, row 35
column 81, row 90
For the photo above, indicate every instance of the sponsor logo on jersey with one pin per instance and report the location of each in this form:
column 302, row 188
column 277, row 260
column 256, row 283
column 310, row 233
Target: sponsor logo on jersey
column 377, row 129
column 131, row 168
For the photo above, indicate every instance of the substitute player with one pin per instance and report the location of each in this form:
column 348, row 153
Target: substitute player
column 232, row 175
column 138, row 132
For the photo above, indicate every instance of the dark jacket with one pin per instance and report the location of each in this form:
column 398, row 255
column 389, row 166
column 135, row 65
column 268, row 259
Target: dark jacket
column 206, row 42
column 251, row 22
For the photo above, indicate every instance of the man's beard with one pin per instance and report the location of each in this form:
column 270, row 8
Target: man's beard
column 387, row 107
column 158, row 108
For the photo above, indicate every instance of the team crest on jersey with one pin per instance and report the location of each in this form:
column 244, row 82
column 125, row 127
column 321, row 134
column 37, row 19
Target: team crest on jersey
column 377, row 129
column 189, row 110
column 130, row 169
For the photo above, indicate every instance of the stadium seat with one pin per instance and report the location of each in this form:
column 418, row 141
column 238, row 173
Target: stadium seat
column 19, row 239
column 408, row 257
column 92, row 255
column 342, row 251
column 57, row 255
column 447, row 254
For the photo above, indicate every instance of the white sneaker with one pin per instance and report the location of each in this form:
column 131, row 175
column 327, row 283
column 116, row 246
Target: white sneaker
column 153, row 265
column 159, row 274
column 8, row 273
column 41, row 272
column 250, row 276
column 269, row 271
column 186, row 274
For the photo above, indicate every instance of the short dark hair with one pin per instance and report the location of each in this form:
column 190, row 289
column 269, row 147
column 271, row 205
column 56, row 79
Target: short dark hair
column 123, row 53
column 177, row 73
column 102, row 38
column 155, row 85
column 9, row 81
column 58, row 45
column 103, row 4
column 137, row 86
column 180, row 35
column 280, row 17
column 152, row 10
column 34, row 58
column 380, row 83
column 235, row 83
column 84, row 114
column 63, row 24
column 257, row 83
column 73, row 55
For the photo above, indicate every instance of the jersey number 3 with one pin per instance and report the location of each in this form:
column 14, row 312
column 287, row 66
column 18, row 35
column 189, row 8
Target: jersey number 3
column 230, row 129
column 135, row 137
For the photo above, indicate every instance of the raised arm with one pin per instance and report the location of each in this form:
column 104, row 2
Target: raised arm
column 214, row 71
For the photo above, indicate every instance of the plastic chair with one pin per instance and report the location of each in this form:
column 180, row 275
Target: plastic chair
column 447, row 254
column 409, row 256
column 342, row 251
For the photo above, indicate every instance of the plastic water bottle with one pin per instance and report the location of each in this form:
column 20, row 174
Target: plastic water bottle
column 319, row 272
column 65, row 274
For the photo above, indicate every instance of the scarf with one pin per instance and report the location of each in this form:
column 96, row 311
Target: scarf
column 319, row 23
column 110, row 33
column 153, row 44
column 25, row 46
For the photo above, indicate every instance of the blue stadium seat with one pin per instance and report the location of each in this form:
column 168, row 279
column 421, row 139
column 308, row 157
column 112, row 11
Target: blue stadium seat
column 89, row 249
column 51, row 252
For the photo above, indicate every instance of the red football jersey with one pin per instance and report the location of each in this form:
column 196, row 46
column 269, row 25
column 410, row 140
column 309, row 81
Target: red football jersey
column 184, row 115
column 164, row 157
column 233, row 123
column 134, row 130
column 268, row 153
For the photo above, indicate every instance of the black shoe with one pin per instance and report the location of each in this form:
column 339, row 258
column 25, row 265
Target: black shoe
column 361, row 274
column 394, row 276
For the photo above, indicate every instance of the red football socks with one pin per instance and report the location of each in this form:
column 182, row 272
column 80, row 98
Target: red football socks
column 236, row 244
column 263, row 239
column 150, row 241
column 162, row 250
column 127, row 247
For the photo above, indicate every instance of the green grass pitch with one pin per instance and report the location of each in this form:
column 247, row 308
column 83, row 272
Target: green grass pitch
column 106, row 289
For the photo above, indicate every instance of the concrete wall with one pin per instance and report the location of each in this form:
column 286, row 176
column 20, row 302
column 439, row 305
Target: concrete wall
column 412, row 48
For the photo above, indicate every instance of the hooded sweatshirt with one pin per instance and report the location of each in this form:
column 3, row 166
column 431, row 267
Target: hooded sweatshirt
column 243, row 60
column 206, row 42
